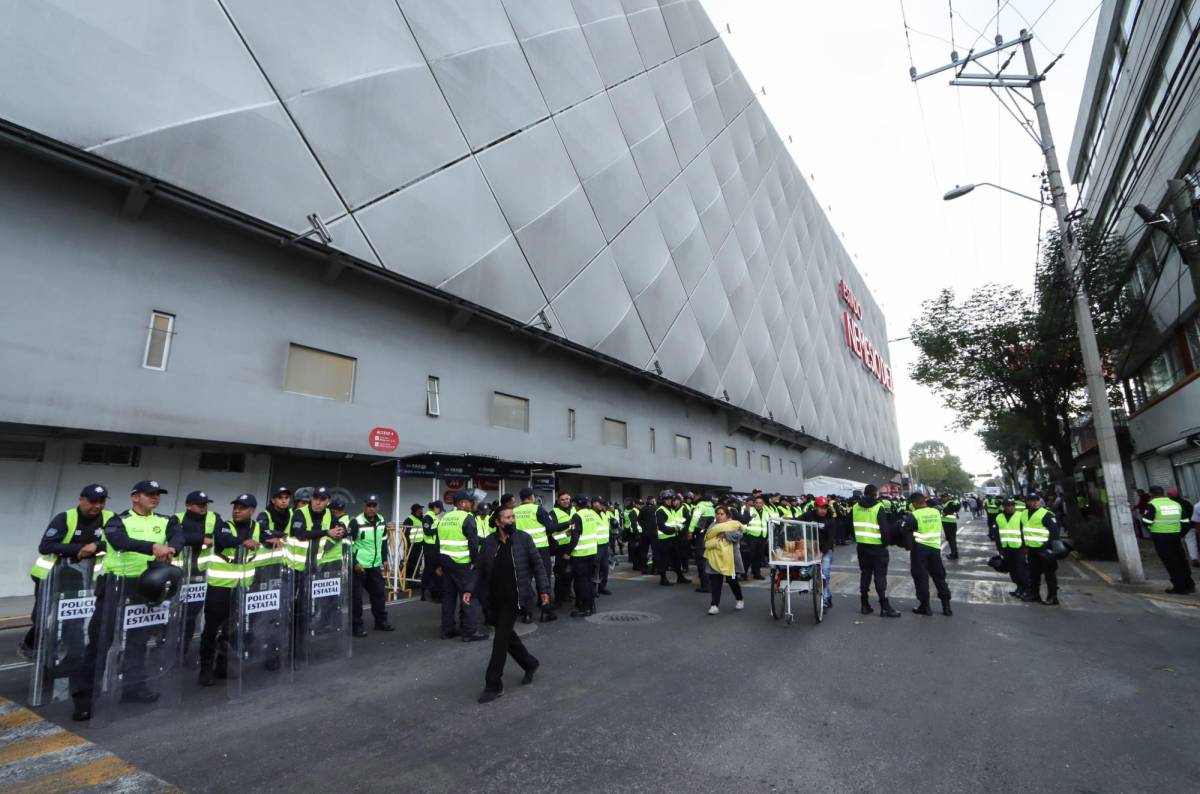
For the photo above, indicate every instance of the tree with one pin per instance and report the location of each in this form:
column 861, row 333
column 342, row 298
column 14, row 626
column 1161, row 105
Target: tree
column 1008, row 363
column 938, row 468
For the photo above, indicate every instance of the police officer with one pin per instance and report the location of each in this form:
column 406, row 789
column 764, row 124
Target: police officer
column 871, row 527
column 277, row 518
column 647, row 519
column 702, row 517
column 1164, row 518
column 1041, row 529
column 224, row 575
column 633, row 531
column 457, row 549
column 140, row 535
column 75, row 534
column 603, row 534
column 431, row 580
column 1010, row 542
column 925, row 556
column 755, row 519
column 581, row 550
column 668, row 523
column 532, row 519
column 563, row 522
column 369, row 533
column 198, row 523
column 991, row 508
column 950, row 526
column 413, row 528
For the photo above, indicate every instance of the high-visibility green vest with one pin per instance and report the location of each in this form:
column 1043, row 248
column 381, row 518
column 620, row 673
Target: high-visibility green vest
column 757, row 528
column 949, row 518
column 431, row 536
column 674, row 522
column 43, row 564
column 929, row 527
column 991, row 506
column 1168, row 516
column 603, row 529
column 295, row 549
column 1010, row 530
column 562, row 517
column 368, row 544
column 151, row 528
column 454, row 543
column 416, row 532
column 210, row 524
column 222, row 567
column 330, row 549
column 631, row 521
column 703, row 509
column 866, row 524
column 586, row 545
column 526, row 520
column 265, row 518
column 1035, row 533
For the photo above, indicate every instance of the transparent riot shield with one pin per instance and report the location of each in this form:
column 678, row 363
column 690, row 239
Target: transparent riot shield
column 260, row 623
column 140, row 649
column 192, row 593
column 66, row 602
column 323, row 630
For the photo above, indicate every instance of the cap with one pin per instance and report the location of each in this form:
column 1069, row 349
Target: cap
column 436, row 503
column 821, row 501
column 245, row 499
column 280, row 491
column 322, row 493
column 338, row 504
column 1033, row 495
column 95, row 492
column 415, row 506
column 526, row 493
column 1008, row 500
column 147, row 486
column 371, row 499
column 197, row 498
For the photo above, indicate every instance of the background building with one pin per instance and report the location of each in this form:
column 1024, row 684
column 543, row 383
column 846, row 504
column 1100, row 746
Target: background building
column 1138, row 127
column 250, row 243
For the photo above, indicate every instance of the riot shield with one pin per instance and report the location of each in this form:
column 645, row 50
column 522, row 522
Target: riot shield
column 66, row 601
column 323, row 630
column 192, row 593
column 139, row 651
column 260, row 623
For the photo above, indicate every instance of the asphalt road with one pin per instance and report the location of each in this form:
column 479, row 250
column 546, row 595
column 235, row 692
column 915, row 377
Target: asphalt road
column 1099, row 695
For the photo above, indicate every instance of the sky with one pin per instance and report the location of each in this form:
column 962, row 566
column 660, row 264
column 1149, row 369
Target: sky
column 880, row 152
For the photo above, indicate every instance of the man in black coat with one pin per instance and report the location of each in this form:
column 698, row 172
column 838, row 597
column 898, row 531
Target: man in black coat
column 507, row 564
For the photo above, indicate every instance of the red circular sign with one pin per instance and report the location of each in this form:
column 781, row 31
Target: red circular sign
column 448, row 497
column 454, row 485
column 384, row 439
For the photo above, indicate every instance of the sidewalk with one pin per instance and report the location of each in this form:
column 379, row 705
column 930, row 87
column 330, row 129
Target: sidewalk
column 14, row 611
column 1156, row 582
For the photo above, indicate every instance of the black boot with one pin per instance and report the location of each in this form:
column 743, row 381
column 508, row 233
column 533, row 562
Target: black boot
column 885, row 609
column 206, row 675
column 866, row 606
column 922, row 609
column 946, row 607
column 1051, row 600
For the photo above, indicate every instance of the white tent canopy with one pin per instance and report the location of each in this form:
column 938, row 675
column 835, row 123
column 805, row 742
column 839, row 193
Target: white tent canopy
column 823, row 486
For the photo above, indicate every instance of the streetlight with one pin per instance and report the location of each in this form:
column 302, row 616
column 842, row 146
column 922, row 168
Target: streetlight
column 961, row 190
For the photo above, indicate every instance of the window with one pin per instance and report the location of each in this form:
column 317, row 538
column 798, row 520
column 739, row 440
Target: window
column 795, row 469
column 571, row 423
column 1192, row 332
column 710, row 460
column 222, row 461
column 731, row 457
column 319, row 374
column 748, row 466
column 764, row 463
column 509, row 411
column 683, row 447
column 110, row 455
column 22, row 449
column 433, row 396
column 616, row 433
column 652, row 444
column 158, row 341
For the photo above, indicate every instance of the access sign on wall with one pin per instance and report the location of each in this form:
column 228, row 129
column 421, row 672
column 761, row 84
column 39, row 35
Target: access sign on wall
column 857, row 341
column 384, row 439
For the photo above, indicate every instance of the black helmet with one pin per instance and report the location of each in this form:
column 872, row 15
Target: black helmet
column 667, row 494
column 1060, row 548
column 159, row 582
column 997, row 563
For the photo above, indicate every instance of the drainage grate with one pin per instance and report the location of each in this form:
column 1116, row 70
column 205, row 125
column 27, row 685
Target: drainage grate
column 623, row 617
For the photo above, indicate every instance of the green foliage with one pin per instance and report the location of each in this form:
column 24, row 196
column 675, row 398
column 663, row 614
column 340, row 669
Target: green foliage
column 937, row 467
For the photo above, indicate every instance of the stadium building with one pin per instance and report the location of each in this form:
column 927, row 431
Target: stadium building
column 251, row 243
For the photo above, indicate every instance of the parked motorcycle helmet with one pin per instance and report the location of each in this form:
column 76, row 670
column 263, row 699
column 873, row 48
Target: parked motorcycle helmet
column 1060, row 548
column 997, row 563
column 159, row 582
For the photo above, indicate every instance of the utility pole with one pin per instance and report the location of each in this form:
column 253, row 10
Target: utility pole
column 1106, row 437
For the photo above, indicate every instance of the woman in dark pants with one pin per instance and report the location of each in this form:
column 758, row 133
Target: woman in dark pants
column 507, row 564
column 723, row 558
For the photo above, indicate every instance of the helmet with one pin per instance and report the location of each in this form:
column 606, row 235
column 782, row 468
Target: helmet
column 1060, row 548
column 997, row 563
column 159, row 582
column 667, row 494
column 821, row 501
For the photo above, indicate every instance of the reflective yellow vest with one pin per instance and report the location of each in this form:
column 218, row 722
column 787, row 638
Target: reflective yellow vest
column 43, row 564
column 526, row 519
column 586, row 545
column 929, row 527
column 1035, row 533
column 453, row 541
column 151, row 528
column 1168, row 516
column 1010, row 530
column 866, row 524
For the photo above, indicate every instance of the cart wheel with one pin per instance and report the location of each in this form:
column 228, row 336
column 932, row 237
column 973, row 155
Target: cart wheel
column 789, row 618
column 776, row 596
column 818, row 595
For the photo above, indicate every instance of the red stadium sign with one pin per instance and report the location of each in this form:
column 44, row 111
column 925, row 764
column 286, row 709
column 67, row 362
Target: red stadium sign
column 857, row 341
column 384, row 439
